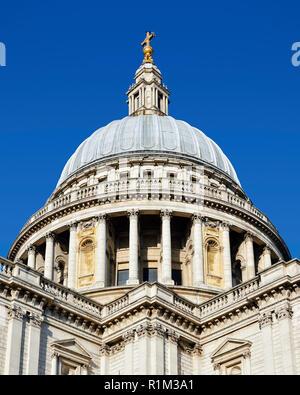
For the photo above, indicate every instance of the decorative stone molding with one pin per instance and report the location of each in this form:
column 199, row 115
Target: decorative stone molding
column 32, row 249
column 166, row 213
column 150, row 330
column 217, row 366
column 133, row 212
column 197, row 218
column 117, row 347
column 185, row 347
column 284, row 312
column 73, row 226
column 35, row 320
column 50, row 235
column 197, row 349
column 173, row 337
column 248, row 236
column 266, row 250
column 101, row 218
column 104, row 350
column 225, row 226
column 128, row 336
column 211, row 224
column 265, row 320
column 16, row 313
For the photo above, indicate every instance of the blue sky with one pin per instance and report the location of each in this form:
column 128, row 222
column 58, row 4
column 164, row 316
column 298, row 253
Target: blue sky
column 227, row 65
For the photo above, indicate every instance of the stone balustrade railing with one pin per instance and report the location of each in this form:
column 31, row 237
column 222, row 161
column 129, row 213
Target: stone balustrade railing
column 184, row 305
column 234, row 295
column 180, row 190
column 65, row 294
column 6, row 267
column 116, row 305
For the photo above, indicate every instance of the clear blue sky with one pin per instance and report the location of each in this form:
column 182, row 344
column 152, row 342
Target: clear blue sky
column 227, row 65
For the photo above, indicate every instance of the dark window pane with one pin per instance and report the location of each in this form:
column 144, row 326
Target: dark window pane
column 150, row 275
column 176, row 276
column 123, row 276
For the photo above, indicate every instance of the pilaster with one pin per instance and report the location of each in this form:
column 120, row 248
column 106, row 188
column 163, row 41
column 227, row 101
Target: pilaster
column 14, row 340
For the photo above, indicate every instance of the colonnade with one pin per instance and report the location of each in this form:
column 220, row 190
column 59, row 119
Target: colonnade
column 198, row 278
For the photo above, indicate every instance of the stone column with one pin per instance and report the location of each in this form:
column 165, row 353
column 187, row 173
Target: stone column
column 267, row 257
column 144, row 347
column 157, row 349
column 104, row 359
column 128, row 339
column 250, row 263
column 173, row 338
column 284, row 315
column 31, row 256
column 72, row 255
column 196, row 353
column 166, row 247
column 101, row 260
column 133, row 248
column 265, row 325
column 54, row 363
column 227, row 256
column 14, row 340
column 198, row 264
column 33, row 352
column 49, row 255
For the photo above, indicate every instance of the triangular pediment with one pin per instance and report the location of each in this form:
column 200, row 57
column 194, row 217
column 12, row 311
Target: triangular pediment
column 229, row 345
column 71, row 346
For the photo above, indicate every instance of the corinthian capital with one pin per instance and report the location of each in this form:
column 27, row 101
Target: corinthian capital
column 166, row 213
column 73, row 226
column 284, row 312
column 248, row 236
column 50, row 235
column 128, row 336
column 265, row 320
column 16, row 313
column 225, row 226
column 197, row 218
column 31, row 249
column 35, row 320
column 133, row 212
column 101, row 218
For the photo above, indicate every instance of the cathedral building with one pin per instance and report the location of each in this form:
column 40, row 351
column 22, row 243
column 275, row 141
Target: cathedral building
column 149, row 258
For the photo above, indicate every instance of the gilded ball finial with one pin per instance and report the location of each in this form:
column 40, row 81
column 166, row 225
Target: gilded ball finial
column 148, row 50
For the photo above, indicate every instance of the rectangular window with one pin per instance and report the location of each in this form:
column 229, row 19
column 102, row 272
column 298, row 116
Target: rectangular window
column 150, row 275
column 123, row 276
column 176, row 276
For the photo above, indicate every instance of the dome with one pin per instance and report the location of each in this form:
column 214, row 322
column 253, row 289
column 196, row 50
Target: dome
column 148, row 134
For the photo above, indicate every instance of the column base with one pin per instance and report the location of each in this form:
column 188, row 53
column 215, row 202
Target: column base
column 132, row 281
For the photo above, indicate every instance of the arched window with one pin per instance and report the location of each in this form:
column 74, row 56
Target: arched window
column 213, row 262
column 60, row 271
column 86, row 262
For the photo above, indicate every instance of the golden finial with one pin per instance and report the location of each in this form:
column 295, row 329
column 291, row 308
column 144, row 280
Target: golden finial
column 148, row 50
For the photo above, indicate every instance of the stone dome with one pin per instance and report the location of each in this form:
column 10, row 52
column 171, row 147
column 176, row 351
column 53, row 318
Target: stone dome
column 148, row 134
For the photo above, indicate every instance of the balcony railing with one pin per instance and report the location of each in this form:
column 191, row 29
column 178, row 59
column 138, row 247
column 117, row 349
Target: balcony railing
column 164, row 188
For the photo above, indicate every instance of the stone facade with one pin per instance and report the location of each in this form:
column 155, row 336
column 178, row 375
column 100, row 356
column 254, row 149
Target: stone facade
column 149, row 258
column 252, row 328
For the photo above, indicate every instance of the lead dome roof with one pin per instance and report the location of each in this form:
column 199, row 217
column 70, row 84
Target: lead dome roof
column 147, row 134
